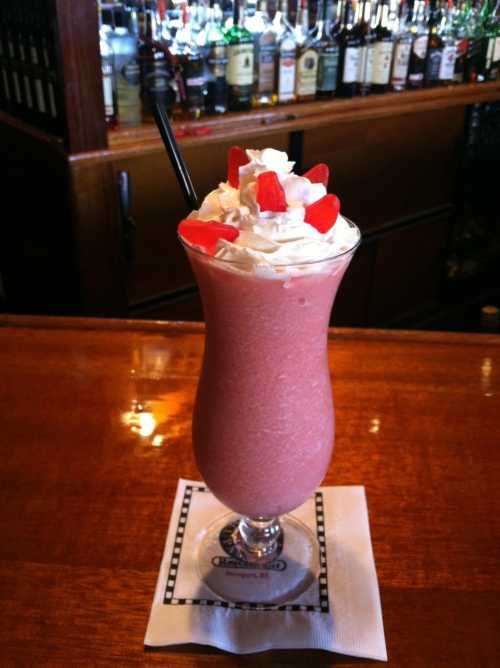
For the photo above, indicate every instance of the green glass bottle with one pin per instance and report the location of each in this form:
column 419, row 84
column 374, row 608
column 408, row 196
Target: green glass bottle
column 240, row 65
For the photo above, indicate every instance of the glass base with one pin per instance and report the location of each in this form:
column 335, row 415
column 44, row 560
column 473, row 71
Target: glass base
column 234, row 575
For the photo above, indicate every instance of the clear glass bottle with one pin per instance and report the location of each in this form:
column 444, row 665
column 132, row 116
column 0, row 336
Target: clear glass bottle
column 108, row 72
column 264, row 37
column 216, row 63
column 448, row 37
column 240, row 66
column 128, row 76
column 402, row 50
column 286, row 55
column 307, row 57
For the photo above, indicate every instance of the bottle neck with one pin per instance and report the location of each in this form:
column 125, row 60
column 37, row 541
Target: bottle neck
column 238, row 13
column 349, row 16
column 302, row 20
column 382, row 20
column 320, row 17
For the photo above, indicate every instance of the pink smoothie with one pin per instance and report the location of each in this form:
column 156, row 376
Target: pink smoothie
column 263, row 424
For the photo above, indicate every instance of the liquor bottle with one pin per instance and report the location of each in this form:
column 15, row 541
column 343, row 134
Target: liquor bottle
column 435, row 46
column 447, row 34
column 240, row 67
column 462, row 46
column 286, row 56
column 128, row 76
column 189, row 62
column 328, row 51
column 153, row 64
column 350, row 42
column 307, row 57
column 368, row 37
column 475, row 58
column 492, row 30
column 216, row 65
column 419, row 31
column 108, row 72
column 382, row 50
column 402, row 50
column 264, row 56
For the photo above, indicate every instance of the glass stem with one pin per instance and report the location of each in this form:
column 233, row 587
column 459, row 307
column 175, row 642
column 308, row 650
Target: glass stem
column 259, row 537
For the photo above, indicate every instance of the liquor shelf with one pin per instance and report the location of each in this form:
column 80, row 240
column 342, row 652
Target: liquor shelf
column 127, row 142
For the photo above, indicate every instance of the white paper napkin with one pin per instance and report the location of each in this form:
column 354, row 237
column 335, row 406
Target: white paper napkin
column 340, row 612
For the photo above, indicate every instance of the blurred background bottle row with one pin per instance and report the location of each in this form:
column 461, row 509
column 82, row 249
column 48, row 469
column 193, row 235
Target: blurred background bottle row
column 209, row 58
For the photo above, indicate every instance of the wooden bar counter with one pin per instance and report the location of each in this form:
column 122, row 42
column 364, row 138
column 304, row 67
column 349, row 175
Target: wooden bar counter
column 95, row 432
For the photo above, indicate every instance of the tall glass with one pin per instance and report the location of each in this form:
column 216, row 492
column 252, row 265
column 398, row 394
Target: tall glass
column 263, row 423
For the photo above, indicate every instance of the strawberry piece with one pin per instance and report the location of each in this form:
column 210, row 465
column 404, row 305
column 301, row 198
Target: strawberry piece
column 318, row 174
column 323, row 213
column 236, row 158
column 206, row 234
column 270, row 193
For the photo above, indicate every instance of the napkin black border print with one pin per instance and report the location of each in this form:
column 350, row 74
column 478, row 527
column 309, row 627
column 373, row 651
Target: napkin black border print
column 169, row 598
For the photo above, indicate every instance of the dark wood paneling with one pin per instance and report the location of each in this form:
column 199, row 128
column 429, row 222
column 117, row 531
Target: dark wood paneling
column 37, row 254
column 353, row 298
column 386, row 169
column 80, row 67
column 408, row 272
column 99, row 239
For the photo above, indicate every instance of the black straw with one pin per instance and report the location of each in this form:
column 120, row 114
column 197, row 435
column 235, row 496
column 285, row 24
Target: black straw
column 180, row 169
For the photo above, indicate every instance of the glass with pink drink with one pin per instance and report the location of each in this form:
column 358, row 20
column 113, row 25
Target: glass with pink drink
column 269, row 250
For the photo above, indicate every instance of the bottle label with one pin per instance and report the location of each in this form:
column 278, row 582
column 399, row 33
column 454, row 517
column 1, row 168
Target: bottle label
column 307, row 68
column 489, row 52
column 265, row 74
column 286, row 78
column 447, row 66
column 401, row 62
column 365, row 64
column 382, row 57
column 420, row 46
column 327, row 69
column 240, row 64
column 351, row 64
column 217, row 61
column 107, row 82
column 433, row 65
column 496, row 50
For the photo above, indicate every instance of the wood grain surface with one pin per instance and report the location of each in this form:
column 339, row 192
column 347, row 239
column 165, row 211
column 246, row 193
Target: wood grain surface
column 95, row 432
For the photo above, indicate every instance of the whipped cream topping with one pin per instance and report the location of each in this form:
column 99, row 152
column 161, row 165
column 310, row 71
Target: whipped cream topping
column 266, row 238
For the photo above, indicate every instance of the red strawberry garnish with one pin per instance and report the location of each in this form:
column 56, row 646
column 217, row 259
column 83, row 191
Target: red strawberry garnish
column 323, row 213
column 270, row 193
column 236, row 158
column 318, row 174
column 206, row 233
